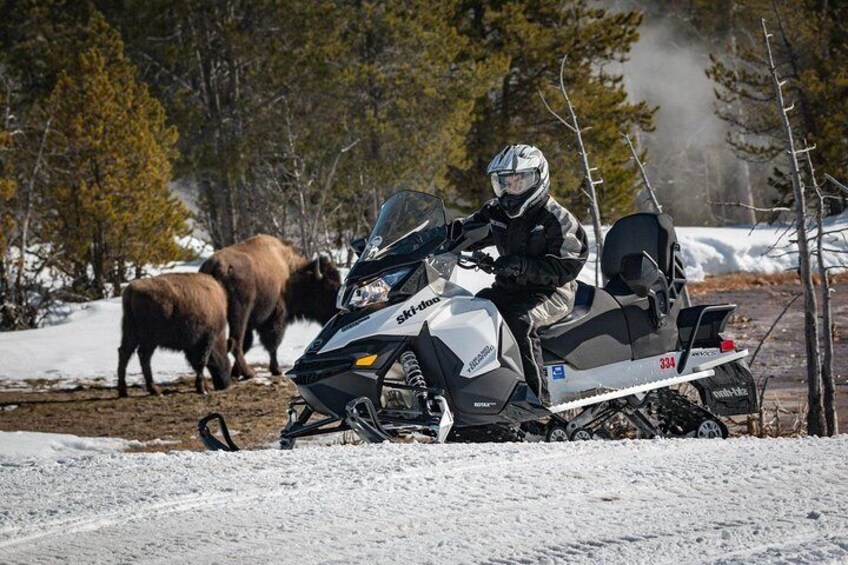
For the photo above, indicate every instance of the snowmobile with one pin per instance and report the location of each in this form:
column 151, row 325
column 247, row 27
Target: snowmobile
column 413, row 352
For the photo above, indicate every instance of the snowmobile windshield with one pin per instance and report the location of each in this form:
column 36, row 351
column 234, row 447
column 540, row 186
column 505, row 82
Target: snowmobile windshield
column 407, row 222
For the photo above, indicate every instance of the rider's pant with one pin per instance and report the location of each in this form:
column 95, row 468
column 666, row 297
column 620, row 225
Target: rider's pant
column 524, row 312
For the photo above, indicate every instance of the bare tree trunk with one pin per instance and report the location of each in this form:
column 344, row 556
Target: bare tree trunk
column 815, row 416
column 828, row 379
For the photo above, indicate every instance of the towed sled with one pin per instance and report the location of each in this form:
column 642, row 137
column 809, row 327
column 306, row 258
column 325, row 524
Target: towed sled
column 413, row 352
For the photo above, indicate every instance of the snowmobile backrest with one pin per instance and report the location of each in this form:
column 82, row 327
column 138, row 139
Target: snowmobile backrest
column 636, row 234
column 639, row 272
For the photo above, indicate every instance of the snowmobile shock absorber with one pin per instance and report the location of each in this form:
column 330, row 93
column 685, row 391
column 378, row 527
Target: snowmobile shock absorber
column 415, row 378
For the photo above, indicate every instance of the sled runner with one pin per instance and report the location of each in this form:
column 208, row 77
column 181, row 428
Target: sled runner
column 411, row 351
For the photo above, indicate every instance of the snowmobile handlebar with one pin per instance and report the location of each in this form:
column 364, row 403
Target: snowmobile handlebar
column 476, row 260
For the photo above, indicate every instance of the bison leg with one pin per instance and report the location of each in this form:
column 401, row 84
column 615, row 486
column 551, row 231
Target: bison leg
column 145, row 353
column 271, row 335
column 238, row 329
column 125, row 352
column 198, row 358
column 247, row 342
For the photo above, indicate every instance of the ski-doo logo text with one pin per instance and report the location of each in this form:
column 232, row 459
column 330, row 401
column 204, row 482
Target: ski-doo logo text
column 413, row 310
column 480, row 357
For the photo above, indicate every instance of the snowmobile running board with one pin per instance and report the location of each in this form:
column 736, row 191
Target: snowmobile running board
column 620, row 393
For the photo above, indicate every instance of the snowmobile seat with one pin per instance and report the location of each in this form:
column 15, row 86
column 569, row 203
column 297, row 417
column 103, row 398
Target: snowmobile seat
column 642, row 263
column 593, row 334
column 582, row 305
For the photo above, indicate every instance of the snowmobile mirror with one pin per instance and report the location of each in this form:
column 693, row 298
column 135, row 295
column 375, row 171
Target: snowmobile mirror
column 358, row 245
column 639, row 273
column 471, row 234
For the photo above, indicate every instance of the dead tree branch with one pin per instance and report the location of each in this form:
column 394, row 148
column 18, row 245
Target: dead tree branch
column 773, row 325
column 643, row 174
column 589, row 182
column 773, row 209
column 815, row 416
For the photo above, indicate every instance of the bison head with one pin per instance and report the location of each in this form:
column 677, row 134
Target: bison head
column 312, row 289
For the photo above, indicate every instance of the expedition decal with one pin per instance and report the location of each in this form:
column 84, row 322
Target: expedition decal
column 488, row 350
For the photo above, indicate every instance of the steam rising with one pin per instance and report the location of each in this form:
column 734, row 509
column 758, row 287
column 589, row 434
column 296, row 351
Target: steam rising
column 689, row 161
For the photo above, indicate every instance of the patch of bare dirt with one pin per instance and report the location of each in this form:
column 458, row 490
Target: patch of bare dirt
column 759, row 300
column 255, row 410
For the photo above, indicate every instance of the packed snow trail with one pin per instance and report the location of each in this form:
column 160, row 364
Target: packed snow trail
column 662, row 501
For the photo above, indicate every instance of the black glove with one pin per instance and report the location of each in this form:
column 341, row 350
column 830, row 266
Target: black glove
column 510, row 266
column 484, row 262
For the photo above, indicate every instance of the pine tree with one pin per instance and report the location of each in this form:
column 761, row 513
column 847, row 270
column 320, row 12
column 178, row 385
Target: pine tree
column 408, row 95
column 108, row 196
column 534, row 36
column 810, row 47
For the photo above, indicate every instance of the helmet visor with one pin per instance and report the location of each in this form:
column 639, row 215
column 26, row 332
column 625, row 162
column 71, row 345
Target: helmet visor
column 514, row 183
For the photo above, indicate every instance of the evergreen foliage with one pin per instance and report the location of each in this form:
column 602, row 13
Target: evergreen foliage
column 109, row 204
column 533, row 36
column 811, row 48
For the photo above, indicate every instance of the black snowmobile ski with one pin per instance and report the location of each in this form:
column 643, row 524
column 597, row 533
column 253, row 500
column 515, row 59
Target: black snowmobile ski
column 211, row 442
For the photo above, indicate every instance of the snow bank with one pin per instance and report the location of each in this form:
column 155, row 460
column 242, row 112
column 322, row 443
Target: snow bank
column 764, row 249
column 663, row 501
column 83, row 350
column 761, row 249
column 25, row 445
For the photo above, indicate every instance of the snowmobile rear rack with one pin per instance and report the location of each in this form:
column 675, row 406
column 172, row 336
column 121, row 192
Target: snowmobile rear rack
column 714, row 322
column 208, row 438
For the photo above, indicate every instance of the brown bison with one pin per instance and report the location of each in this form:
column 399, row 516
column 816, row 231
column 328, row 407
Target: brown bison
column 268, row 285
column 184, row 312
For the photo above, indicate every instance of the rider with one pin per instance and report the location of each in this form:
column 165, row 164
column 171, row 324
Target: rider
column 542, row 249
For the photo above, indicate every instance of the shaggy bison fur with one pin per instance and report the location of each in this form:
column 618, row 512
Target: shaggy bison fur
column 269, row 284
column 184, row 312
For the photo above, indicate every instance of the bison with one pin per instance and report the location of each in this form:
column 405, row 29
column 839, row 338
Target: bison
column 184, row 312
column 269, row 284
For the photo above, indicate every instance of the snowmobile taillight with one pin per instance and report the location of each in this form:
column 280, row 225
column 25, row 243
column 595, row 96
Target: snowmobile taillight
column 727, row 345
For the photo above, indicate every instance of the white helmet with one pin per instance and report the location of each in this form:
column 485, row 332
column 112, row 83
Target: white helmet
column 520, row 178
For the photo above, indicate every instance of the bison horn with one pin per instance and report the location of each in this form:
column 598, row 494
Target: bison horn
column 318, row 274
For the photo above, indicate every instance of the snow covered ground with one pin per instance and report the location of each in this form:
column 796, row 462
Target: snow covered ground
column 659, row 501
column 83, row 349
column 26, row 445
column 66, row 498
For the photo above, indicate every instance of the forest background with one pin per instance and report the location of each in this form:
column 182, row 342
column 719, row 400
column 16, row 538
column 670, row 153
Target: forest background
column 128, row 124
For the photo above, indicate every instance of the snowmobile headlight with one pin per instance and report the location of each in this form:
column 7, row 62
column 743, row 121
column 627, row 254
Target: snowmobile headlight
column 369, row 293
column 376, row 290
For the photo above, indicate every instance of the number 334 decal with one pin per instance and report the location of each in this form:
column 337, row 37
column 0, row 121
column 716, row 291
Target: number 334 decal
column 667, row 363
